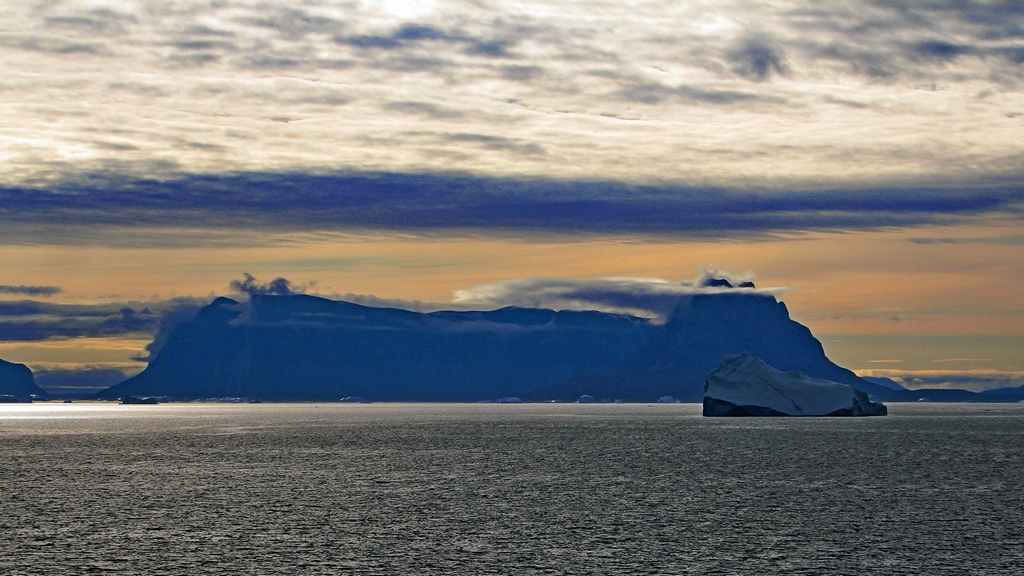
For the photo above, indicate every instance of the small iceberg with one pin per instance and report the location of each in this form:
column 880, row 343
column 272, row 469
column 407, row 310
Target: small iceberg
column 129, row 399
column 355, row 399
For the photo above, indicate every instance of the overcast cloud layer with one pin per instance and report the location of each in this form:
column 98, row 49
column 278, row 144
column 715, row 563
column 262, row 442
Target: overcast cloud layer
column 734, row 94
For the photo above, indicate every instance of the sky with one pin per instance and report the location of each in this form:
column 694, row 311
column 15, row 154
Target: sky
column 861, row 160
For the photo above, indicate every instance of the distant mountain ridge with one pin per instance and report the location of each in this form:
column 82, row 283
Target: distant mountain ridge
column 1018, row 391
column 309, row 348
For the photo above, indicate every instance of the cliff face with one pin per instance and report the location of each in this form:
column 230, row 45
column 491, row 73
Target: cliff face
column 17, row 380
column 698, row 335
column 308, row 348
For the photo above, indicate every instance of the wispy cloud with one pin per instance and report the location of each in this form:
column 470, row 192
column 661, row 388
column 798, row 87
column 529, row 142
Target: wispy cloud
column 31, row 321
column 1006, row 240
column 278, row 286
column 649, row 297
column 975, row 380
column 44, row 291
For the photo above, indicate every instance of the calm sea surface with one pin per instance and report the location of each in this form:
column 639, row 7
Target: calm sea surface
column 507, row 489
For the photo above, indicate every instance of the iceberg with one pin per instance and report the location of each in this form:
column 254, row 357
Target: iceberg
column 742, row 385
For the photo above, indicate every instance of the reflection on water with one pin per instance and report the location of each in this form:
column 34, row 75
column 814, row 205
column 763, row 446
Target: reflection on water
column 507, row 489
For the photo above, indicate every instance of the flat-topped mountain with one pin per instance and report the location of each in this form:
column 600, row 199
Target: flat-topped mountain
column 17, row 380
column 309, row 348
column 298, row 347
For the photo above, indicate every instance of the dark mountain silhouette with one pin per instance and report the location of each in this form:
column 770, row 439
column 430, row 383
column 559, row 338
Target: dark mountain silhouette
column 309, row 348
column 708, row 327
column 1018, row 392
column 16, row 380
column 291, row 348
column 700, row 332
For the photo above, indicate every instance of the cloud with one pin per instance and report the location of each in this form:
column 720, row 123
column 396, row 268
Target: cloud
column 376, row 302
column 694, row 94
column 496, row 143
column 758, row 58
column 523, row 73
column 654, row 93
column 940, row 49
column 648, row 297
column 411, row 37
column 974, row 380
column 45, row 291
column 292, row 23
column 1005, row 240
column 860, row 60
column 917, row 39
column 32, row 321
column 80, row 380
column 276, row 287
column 425, row 109
column 261, row 202
column 182, row 311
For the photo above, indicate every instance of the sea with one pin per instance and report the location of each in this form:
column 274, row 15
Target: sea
column 623, row 489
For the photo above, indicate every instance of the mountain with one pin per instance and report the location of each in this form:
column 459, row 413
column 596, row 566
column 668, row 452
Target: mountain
column 16, row 380
column 294, row 348
column 308, row 348
column 1017, row 391
column 698, row 334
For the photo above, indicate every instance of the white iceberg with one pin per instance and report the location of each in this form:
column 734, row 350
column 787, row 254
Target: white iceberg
column 742, row 385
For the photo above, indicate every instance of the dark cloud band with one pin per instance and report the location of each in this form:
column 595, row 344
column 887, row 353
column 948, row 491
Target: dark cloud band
column 432, row 202
column 44, row 291
column 30, row 321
